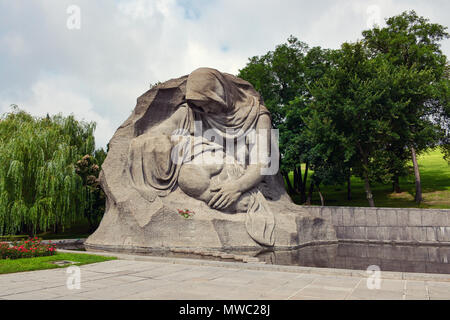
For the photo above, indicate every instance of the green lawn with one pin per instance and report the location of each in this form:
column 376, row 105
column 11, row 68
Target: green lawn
column 435, row 176
column 42, row 263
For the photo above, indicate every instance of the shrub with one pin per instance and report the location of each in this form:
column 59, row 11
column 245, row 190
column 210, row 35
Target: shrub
column 30, row 248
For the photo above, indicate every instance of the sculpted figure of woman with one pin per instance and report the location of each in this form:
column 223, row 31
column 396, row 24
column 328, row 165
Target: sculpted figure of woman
column 179, row 152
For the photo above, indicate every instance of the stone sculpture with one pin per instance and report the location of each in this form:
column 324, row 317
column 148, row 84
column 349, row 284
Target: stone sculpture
column 190, row 144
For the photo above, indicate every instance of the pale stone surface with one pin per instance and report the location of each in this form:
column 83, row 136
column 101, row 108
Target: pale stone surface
column 235, row 205
column 121, row 279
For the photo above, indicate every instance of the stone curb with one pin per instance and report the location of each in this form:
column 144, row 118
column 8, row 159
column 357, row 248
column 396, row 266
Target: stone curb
column 274, row 268
column 65, row 241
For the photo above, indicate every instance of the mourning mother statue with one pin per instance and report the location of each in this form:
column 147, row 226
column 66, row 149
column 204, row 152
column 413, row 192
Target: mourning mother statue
column 201, row 143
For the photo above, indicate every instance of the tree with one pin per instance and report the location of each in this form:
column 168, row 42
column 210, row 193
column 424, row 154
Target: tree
column 356, row 104
column 39, row 188
column 283, row 77
column 88, row 169
column 412, row 42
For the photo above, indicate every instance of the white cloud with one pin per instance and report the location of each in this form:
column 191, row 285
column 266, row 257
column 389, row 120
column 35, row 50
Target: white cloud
column 123, row 46
column 56, row 94
column 13, row 44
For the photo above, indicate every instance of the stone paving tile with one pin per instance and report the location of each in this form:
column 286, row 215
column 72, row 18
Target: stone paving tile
column 303, row 297
column 64, row 291
column 217, row 292
column 289, row 288
column 35, row 295
column 337, row 281
column 391, row 285
column 418, row 296
column 439, row 290
column 248, row 277
column 389, row 290
column 416, row 290
column 21, row 288
column 322, row 292
column 192, row 274
column 171, row 294
column 108, row 293
column 161, row 271
column 73, row 297
column 375, row 295
column 121, row 267
column 119, row 291
column 113, row 281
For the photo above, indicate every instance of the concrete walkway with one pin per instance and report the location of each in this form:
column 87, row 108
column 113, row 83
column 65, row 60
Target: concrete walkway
column 130, row 279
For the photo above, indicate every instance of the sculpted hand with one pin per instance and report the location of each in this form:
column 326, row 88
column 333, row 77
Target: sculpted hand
column 226, row 195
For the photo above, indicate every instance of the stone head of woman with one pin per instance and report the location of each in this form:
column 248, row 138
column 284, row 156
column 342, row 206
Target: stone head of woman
column 207, row 91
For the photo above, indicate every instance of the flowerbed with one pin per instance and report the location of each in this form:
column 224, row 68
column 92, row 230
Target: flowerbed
column 26, row 249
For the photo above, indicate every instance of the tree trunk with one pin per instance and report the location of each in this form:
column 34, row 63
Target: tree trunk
column 322, row 201
column 288, row 183
column 299, row 179
column 310, row 194
column 349, row 186
column 296, row 179
column 305, row 177
column 396, row 185
column 418, row 197
column 369, row 194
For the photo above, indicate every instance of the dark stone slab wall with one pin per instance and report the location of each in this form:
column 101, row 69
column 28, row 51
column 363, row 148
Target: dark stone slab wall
column 359, row 256
column 388, row 225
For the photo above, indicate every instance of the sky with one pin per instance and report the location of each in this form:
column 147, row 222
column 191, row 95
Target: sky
column 94, row 58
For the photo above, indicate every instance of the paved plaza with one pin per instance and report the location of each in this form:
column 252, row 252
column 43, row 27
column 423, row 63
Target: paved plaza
column 163, row 280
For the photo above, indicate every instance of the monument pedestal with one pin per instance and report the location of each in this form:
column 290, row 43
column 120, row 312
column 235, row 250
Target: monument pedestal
column 207, row 229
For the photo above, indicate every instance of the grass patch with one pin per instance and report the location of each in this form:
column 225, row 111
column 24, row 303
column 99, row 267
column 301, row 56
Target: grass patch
column 435, row 176
column 43, row 263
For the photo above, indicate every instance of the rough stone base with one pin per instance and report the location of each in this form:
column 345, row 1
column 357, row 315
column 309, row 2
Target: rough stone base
column 207, row 229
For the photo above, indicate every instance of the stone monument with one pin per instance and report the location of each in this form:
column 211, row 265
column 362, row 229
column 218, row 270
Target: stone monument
column 181, row 173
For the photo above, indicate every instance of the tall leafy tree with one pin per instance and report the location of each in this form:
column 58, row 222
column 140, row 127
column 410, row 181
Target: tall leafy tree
column 412, row 42
column 283, row 77
column 39, row 188
column 356, row 105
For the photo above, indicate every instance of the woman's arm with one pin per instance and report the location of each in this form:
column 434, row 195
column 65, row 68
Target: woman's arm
column 230, row 192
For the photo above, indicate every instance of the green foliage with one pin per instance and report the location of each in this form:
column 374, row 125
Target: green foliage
column 360, row 109
column 42, row 263
column 39, row 188
column 283, row 77
column 30, row 248
column 412, row 44
column 278, row 76
column 88, row 169
column 435, row 173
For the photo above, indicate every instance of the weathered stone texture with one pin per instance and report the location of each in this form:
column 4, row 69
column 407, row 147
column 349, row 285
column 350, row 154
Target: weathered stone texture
column 145, row 189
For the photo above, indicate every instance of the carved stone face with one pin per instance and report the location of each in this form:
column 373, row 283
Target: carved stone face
column 205, row 91
column 206, row 106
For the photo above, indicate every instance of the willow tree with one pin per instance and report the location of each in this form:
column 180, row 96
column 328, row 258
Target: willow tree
column 39, row 188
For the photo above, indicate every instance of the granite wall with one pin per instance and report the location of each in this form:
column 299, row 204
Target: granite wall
column 388, row 225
